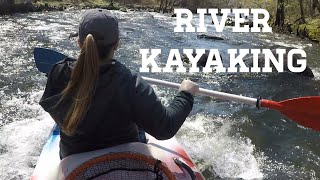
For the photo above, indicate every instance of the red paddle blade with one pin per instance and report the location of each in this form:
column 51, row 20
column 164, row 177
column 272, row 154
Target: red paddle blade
column 305, row 110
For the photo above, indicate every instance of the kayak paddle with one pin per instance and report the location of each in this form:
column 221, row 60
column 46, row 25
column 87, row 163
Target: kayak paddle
column 303, row 110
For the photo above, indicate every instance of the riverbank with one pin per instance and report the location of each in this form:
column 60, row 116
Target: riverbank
column 58, row 5
column 310, row 29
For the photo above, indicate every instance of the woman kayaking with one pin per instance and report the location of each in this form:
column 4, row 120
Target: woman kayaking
column 98, row 102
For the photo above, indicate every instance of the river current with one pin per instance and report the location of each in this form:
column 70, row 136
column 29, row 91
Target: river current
column 225, row 139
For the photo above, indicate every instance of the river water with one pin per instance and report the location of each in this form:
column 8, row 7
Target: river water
column 225, row 139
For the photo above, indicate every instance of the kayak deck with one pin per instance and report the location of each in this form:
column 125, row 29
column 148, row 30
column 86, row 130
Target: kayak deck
column 49, row 166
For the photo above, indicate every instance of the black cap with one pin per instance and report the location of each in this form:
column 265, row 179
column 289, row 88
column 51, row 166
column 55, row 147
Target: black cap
column 101, row 24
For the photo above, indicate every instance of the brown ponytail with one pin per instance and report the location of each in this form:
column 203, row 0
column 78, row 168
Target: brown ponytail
column 81, row 85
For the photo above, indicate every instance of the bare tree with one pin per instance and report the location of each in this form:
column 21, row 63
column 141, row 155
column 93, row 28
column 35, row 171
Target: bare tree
column 315, row 5
column 280, row 13
column 303, row 19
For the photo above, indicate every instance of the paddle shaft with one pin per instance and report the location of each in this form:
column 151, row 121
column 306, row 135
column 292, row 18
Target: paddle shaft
column 303, row 110
column 206, row 92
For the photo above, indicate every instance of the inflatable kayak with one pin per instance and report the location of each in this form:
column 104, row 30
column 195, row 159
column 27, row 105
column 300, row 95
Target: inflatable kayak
column 169, row 153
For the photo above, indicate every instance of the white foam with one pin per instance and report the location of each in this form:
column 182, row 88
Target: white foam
column 22, row 140
column 21, row 144
column 230, row 156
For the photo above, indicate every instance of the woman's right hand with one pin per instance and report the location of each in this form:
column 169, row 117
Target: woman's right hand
column 189, row 86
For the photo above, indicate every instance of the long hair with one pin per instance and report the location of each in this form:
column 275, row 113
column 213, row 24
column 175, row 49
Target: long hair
column 81, row 85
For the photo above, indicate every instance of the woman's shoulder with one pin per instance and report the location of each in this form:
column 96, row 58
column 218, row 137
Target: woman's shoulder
column 61, row 71
column 124, row 70
column 130, row 77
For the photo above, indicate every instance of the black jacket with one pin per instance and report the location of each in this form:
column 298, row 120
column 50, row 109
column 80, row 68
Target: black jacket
column 121, row 102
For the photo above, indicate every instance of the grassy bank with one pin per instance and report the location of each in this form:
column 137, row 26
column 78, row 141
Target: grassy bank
column 72, row 3
column 52, row 5
column 143, row 4
column 310, row 29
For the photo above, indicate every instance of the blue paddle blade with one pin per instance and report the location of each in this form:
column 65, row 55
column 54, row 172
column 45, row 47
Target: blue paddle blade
column 46, row 58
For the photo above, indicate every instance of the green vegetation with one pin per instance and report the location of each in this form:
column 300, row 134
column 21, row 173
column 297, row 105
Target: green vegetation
column 59, row 3
column 73, row 2
column 310, row 29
